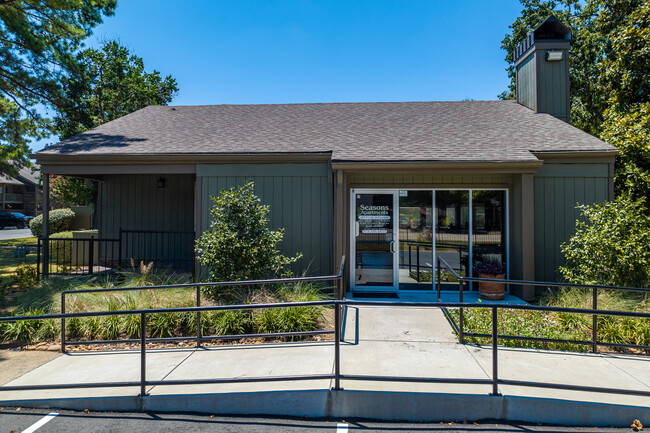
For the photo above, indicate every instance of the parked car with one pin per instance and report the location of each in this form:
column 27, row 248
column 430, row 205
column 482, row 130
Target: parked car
column 14, row 219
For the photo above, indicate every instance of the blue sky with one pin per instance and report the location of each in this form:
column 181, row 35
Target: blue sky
column 268, row 52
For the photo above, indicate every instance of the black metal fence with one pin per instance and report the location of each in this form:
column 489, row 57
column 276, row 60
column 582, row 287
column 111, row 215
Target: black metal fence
column 338, row 304
column 75, row 256
column 165, row 249
column 594, row 342
column 171, row 250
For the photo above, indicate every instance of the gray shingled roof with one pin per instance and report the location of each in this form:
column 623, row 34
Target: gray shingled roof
column 385, row 131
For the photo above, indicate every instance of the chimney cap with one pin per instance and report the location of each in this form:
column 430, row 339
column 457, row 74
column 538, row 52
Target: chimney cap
column 552, row 29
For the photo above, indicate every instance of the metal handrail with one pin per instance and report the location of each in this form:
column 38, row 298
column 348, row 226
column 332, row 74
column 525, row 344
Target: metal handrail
column 337, row 375
column 199, row 337
column 595, row 312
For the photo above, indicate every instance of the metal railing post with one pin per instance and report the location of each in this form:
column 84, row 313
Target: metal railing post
column 119, row 250
column 91, row 258
column 38, row 258
column 461, row 337
column 46, row 257
column 417, row 258
column 495, row 352
column 62, row 322
column 198, row 317
column 410, row 268
column 438, row 277
column 143, row 354
column 337, row 346
column 595, row 320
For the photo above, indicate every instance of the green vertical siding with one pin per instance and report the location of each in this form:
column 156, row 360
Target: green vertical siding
column 526, row 83
column 134, row 202
column 559, row 188
column 301, row 201
column 552, row 97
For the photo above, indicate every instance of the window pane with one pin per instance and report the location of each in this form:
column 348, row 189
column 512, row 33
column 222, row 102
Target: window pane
column 452, row 233
column 416, row 242
column 488, row 227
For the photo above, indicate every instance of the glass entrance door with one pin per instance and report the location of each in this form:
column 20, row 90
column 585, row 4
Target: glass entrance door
column 374, row 236
column 416, row 264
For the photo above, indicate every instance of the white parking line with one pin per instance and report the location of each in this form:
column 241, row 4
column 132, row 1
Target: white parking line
column 47, row 418
column 341, row 428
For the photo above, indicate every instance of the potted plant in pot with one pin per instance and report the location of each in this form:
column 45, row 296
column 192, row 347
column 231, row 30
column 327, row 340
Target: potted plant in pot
column 491, row 291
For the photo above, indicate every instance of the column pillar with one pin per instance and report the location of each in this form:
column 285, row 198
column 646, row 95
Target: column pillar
column 528, row 232
column 46, row 224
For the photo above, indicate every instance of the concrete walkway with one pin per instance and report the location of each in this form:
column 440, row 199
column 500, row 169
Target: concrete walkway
column 382, row 341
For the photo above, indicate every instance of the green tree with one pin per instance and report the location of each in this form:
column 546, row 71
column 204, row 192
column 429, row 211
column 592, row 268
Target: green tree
column 629, row 130
column 610, row 245
column 625, row 80
column 587, row 101
column 108, row 83
column 609, row 72
column 239, row 245
column 37, row 41
column 72, row 191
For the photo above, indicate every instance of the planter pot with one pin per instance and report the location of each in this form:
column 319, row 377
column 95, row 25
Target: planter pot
column 492, row 291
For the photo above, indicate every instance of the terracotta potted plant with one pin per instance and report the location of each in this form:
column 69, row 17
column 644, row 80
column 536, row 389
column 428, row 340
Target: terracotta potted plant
column 491, row 291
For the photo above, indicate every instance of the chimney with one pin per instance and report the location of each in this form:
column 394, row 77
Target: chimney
column 542, row 68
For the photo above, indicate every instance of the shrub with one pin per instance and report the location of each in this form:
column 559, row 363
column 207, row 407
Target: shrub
column 48, row 330
column 162, row 324
column 72, row 191
column 524, row 324
column 23, row 331
column 61, row 251
column 293, row 319
column 233, row 322
column 132, row 321
column 60, row 220
column 239, row 245
column 74, row 327
column 26, row 276
column 111, row 325
column 91, row 327
column 610, row 245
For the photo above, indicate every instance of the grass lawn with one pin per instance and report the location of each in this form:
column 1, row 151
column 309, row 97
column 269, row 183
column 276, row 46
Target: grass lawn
column 13, row 242
column 567, row 326
column 8, row 263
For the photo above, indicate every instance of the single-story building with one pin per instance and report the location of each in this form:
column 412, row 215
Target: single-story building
column 389, row 185
column 21, row 193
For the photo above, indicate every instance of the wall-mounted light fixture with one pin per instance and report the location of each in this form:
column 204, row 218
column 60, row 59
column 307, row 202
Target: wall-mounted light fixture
column 160, row 183
column 554, row 56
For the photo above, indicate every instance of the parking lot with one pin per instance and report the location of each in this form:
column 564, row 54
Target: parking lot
column 13, row 233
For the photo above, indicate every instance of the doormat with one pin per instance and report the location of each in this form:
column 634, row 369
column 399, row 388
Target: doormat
column 375, row 295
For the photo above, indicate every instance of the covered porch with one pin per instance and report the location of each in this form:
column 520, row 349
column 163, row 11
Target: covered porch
column 143, row 216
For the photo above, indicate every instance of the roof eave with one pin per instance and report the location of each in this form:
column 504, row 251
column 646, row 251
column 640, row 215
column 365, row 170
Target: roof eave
column 469, row 166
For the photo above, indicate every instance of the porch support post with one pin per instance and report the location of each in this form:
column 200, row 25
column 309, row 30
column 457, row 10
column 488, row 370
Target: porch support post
column 528, row 232
column 339, row 223
column 197, row 221
column 46, row 225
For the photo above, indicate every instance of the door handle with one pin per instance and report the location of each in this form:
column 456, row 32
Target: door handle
column 392, row 247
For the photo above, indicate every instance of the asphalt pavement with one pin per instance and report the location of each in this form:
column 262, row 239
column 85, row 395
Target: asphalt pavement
column 11, row 233
column 43, row 421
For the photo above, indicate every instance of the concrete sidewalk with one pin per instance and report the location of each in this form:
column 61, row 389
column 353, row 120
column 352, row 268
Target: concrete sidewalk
column 382, row 341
